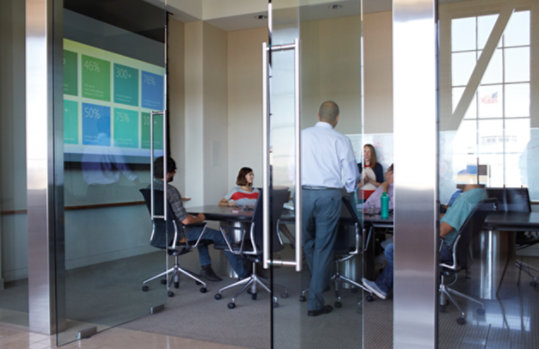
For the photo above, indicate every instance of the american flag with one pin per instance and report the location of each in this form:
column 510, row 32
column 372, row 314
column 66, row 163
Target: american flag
column 490, row 98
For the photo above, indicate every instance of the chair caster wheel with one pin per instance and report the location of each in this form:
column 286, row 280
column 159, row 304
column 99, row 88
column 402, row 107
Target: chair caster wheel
column 253, row 296
column 163, row 281
column 461, row 321
column 480, row 311
column 533, row 283
column 176, row 284
column 231, row 305
column 145, row 288
column 302, row 298
column 203, row 290
column 337, row 304
column 370, row 298
column 170, row 294
column 218, row 296
column 284, row 295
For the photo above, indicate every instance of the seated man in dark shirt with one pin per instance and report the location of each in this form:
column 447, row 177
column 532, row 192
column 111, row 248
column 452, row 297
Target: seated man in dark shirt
column 190, row 222
column 450, row 223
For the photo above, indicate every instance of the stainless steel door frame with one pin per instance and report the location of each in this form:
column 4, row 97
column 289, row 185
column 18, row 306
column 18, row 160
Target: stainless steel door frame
column 415, row 106
column 42, row 166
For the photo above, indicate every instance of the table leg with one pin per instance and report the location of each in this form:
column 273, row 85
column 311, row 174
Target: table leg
column 369, row 255
column 496, row 251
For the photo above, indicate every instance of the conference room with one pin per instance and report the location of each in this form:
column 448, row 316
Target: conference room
column 224, row 85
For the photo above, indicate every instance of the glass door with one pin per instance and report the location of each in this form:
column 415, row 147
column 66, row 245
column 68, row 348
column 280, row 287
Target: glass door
column 114, row 77
column 313, row 55
column 13, row 204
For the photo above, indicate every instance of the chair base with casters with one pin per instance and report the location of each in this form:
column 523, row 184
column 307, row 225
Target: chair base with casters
column 250, row 284
column 460, row 248
column 339, row 278
column 446, row 293
column 172, row 275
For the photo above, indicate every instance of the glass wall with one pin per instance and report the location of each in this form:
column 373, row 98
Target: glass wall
column 329, row 38
column 13, row 227
column 488, row 136
column 114, row 75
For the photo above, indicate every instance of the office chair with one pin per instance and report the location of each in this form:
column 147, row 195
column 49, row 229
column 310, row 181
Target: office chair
column 459, row 260
column 346, row 249
column 168, row 236
column 343, row 253
column 250, row 248
column 517, row 200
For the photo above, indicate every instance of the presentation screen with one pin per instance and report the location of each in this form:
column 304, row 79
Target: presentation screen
column 107, row 101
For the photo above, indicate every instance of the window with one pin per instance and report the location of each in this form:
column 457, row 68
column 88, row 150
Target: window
column 495, row 126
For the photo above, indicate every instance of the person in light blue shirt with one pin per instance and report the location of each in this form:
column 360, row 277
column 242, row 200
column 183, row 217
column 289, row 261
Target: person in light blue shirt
column 450, row 224
column 328, row 164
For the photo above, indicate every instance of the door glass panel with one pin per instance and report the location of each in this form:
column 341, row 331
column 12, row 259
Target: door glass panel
column 113, row 77
column 494, row 146
column 13, row 227
column 330, row 69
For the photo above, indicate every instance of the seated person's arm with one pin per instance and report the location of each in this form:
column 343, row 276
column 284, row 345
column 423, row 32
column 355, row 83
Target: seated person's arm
column 445, row 229
column 190, row 219
column 385, row 186
column 223, row 202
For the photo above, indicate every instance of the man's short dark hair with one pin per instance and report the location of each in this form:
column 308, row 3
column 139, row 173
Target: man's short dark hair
column 158, row 166
column 328, row 111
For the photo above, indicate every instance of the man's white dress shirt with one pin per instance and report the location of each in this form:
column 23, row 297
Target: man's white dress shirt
column 327, row 158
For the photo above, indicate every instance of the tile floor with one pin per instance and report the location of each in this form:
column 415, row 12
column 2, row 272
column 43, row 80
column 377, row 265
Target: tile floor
column 15, row 337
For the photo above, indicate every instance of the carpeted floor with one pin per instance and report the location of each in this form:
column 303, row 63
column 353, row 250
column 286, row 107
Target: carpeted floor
column 110, row 294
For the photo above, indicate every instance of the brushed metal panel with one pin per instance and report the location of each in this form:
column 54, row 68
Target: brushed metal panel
column 415, row 142
column 40, row 163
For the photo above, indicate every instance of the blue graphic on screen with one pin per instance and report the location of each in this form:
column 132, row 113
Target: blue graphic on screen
column 95, row 124
column 151, row 91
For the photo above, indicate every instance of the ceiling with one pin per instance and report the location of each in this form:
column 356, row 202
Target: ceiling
column 146, row 17
column 245, row 17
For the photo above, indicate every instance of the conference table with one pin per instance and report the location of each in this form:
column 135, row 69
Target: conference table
column 239, row 217
column 496, row 241
column 497, row 246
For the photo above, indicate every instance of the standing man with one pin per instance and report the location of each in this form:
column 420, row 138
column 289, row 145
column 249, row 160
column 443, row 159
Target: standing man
column 327, row 164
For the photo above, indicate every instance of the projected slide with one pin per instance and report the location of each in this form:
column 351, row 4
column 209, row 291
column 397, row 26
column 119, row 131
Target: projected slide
column 108, row 99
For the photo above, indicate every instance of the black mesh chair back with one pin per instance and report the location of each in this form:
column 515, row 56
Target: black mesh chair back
column 255, row 247
column 471, row 225
column 169, row 236
column 277, row 200
column 163, row 235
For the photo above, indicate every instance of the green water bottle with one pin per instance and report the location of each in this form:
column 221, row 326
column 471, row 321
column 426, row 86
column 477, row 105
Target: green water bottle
column 384, row 206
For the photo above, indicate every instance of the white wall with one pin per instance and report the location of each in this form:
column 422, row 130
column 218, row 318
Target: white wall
column 231, row 128
column 245, row 103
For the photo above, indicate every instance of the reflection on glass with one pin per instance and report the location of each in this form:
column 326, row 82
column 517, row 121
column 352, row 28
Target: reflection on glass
column 494, row 144
column 109, row 91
